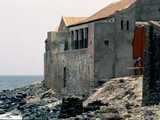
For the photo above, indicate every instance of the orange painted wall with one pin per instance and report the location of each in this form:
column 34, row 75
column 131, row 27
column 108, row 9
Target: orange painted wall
column 139, row 42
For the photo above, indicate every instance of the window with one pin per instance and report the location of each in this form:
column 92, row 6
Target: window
column 76, row 40
column 64, row 77
column 72, row 39
column 81, row 38
column 46, row 45
column 122, row 23
column 127, row 25
column 106, row 42
column 66, row 45
column 86, row 38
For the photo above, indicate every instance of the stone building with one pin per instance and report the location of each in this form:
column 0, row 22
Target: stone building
column 151, row 82
column 87, row 51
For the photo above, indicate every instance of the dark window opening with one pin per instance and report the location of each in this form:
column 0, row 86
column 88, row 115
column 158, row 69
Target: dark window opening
column 86, row 38
column 66, row 45
column 81, row 43
column 159, row 9
column 72, row 35
column 106, row 42
column 81, row 38
column 76, row 41
column 127, row 25
column 122, row 24
column 46, row 45
column 72, row 39
column 64, row 77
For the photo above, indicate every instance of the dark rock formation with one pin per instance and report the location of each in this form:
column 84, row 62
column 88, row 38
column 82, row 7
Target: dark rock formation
column 94, row 106
column 71, row 107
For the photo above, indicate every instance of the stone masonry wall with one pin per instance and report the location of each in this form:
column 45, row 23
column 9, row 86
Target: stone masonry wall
column 148, row 10
column 113, row 45
column 55, row 44
column 123, row 41
column 151, row 82
column 69, row 72
column 79, row 75
column 104, row 49
column 109, row 53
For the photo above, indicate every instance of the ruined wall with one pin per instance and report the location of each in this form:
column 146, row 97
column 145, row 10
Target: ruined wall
column 55, row 45
column 69, row 72
column 46, row 67
column 109, row 53
column 151, row 82
column 148, row 10
column 104, row 49
column 79, row 65
column 113, row 45
column 124, row 36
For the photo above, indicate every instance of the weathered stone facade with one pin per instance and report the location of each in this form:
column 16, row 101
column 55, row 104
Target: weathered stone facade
column 117, row 55
column 79, row 72
column 151, row 84
column 80, row 55
column 148, row 10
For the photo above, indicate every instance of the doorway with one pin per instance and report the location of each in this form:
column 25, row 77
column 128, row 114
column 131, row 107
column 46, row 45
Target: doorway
column 138, row 49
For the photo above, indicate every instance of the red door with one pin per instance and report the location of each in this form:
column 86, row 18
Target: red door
column 138, row 43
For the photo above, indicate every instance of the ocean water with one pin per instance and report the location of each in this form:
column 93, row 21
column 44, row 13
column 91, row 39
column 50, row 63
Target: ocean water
column 11, row 82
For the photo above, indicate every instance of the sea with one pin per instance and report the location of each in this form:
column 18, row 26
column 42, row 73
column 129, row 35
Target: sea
column 10, row 82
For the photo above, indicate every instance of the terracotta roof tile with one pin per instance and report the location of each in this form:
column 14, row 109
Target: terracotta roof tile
column 108, row 11
column 72, row 20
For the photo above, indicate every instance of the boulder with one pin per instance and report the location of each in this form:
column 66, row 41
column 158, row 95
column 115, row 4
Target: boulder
column 2, row 111
column 95, row 105
column 3, row 97
column 3, row 106
column 71, row 107
column 1, row 102
column 23, row 102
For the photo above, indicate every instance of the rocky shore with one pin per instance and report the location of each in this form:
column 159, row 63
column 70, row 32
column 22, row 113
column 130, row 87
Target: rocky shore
column 117, row 99
column 30, row 102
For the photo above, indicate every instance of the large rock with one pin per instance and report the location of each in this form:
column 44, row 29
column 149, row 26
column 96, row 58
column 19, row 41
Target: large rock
column 1, row 102
column 2, row 111
column 71, row 107
column 95, row 105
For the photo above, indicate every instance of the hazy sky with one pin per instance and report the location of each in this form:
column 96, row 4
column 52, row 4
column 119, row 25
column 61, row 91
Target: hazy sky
column 24, row 25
